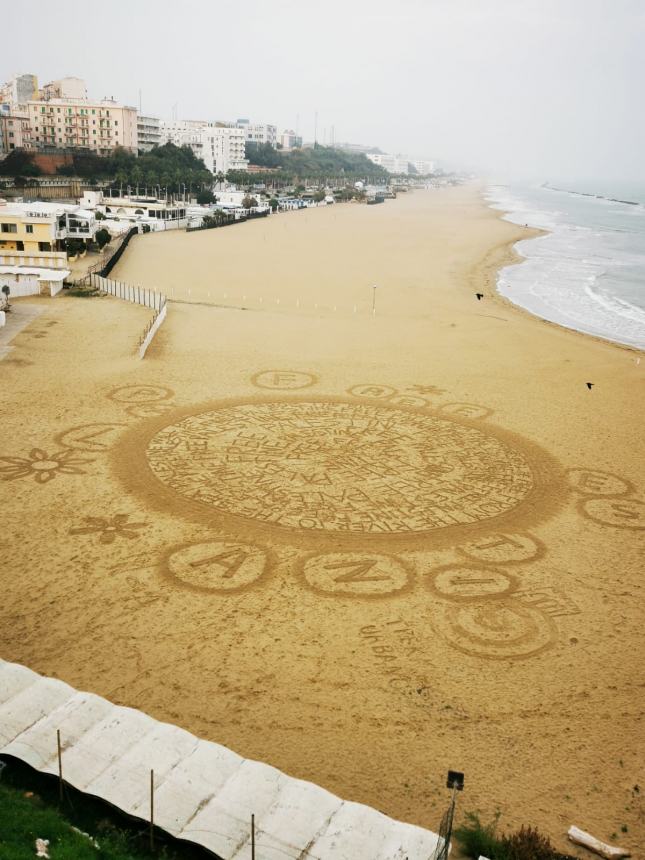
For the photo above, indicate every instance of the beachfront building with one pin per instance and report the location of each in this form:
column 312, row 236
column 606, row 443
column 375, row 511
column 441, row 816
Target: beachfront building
column 148, row 132
column 14, row 129
column 34, row 234
column 259, row 132
column 290, row 140
column 223, row 148
column 126, row 210
column 100, row 126
column 392, row 163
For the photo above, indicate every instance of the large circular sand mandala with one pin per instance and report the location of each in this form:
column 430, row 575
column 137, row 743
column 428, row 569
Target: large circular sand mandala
column 335, row 466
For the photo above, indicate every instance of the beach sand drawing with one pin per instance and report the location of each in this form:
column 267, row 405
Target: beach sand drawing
column 329, row 540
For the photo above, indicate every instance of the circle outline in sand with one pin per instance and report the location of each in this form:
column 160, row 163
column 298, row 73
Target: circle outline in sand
column 129, row 463
column 353, row 595
column 583, row 509
column 448, row 626
column 433, row 575
column 168, row 573
column 628, row 486
column 312, row 379
column 165, row 394
column 540, row 550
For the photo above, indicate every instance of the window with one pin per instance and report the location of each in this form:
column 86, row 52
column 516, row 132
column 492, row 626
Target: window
column 9, row 228
column 29, row 228
column 10, row 134
column 20, row 246
column 58, row 110
column 42, row 110
column 44, row 246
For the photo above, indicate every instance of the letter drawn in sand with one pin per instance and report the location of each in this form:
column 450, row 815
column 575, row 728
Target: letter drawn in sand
column 592, row 482
column 372, row 390
column 89, row 437
column 283, row 380
column 504, row 549
column 496, row 630
column 620, row 513
column 466, row 410
column 355, row 574
column 216, row 566
column 470, row 581
column 140, row 393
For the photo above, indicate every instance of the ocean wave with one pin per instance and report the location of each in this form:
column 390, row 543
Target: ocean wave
column 585, row 276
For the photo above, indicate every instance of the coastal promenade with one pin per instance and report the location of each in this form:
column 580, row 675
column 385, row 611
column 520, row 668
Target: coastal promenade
column 360, row 547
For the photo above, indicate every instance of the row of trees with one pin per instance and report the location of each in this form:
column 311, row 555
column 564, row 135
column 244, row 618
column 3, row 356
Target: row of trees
column 317, row 162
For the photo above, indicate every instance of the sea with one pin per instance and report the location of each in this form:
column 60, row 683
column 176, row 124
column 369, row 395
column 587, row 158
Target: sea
column 588, row 272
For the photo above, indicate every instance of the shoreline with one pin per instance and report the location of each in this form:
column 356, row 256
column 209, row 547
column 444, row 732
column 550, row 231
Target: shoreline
column 515, row 258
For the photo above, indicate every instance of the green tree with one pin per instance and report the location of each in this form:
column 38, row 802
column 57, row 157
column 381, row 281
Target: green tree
column 102, row 237
column 248, row 202
column 205, row 197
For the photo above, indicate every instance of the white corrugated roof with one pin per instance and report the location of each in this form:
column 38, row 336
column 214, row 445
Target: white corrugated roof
column 204, row 792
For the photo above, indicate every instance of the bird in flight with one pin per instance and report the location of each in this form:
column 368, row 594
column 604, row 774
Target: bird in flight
column 589, row 385
column 480, row 296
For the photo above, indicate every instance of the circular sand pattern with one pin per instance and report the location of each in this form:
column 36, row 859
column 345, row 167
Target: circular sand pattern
column 340, row 467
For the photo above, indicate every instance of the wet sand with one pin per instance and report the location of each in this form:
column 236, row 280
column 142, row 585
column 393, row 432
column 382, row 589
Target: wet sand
column 362, row 548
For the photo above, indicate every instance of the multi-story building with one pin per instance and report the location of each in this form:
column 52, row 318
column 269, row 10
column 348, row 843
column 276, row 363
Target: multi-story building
column 148, row 132
column 290, row 140
column 392, row 163
column 14, row 130
column 424, row 168
column 19, row 90
column 64, row 88
column 223, row 148
column 100, row 126
column 259, row 132
column 175, row 130
column 33, row 234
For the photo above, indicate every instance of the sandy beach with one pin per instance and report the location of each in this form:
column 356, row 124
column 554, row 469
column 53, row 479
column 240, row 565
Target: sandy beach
column 362, row 547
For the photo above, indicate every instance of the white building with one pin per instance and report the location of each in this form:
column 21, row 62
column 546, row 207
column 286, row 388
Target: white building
column 223, row 148
column 19, row 90
column 290, row 140
column 424, row 168
column 64, row 88
column 259, row 132
column 175, row 130
column 148, row 132
column 392, row 163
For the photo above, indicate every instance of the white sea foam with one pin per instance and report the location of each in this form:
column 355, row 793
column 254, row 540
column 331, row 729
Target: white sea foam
column 588, row 272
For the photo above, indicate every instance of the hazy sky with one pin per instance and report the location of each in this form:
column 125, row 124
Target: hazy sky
column 546, row 89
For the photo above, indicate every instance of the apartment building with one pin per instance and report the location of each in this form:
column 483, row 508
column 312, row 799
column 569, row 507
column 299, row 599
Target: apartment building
column 64, row 88
column 424, row 168
column 392, row 163
column 19, row 90
column 223, row 148
column 14, row 130
column 176, row 130
column 148, row 132
column 290, row 140
column 100, row 126
column 259, row 132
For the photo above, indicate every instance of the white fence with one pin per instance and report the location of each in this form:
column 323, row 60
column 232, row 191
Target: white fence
column 129, row 292
column 151, row 331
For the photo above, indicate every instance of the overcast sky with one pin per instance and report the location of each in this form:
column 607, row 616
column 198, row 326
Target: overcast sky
column 544, row 89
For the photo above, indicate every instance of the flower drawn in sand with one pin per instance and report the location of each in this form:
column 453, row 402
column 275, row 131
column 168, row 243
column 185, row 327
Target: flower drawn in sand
column 44, row 467
column 426, row 389
column 108, row 528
